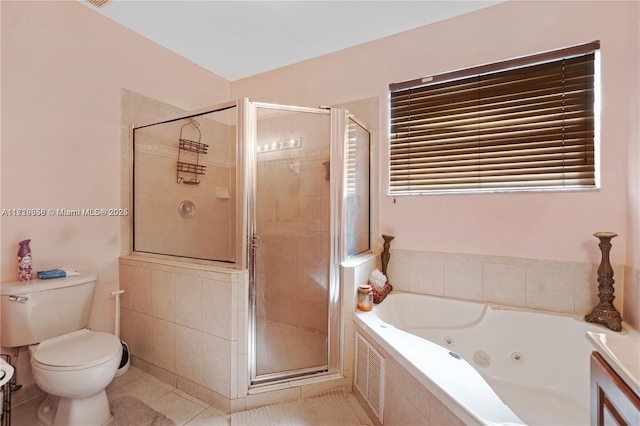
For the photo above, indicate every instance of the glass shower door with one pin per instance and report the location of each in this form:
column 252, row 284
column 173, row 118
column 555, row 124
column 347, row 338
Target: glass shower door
column 292, row 240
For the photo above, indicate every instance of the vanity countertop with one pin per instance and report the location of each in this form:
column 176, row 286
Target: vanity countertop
column 622, row 353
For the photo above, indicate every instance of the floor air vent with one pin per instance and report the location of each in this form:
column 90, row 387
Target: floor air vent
column 369, row 375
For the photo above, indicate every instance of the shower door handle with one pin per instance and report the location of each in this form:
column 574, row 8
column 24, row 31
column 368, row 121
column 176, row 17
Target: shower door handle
column 255, row 242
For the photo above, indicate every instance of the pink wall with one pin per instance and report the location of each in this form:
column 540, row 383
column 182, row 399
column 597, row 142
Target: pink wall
column 633, row 252
column 63, row 67
column 533, row 225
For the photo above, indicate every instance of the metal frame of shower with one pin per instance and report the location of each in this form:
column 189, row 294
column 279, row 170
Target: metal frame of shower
column 241, row 211
column 337, row 235
column 246, row 151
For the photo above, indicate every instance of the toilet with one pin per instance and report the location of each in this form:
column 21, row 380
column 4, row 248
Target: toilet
column 71, row 363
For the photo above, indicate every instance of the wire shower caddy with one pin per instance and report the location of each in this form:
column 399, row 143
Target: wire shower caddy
column 190, row 167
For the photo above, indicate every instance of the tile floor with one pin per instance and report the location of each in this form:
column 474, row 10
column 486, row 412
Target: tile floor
column 281, row 347
column 183, row 409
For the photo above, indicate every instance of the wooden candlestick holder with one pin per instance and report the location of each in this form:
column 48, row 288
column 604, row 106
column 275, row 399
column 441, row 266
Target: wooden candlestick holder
column 605, row 313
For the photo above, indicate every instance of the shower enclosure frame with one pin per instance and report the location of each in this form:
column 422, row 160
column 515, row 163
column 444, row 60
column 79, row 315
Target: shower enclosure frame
column 338, row 230
column 240, row 250
column 245, row 187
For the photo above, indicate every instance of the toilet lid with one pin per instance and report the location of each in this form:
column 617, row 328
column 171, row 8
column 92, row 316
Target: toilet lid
column 80, row 348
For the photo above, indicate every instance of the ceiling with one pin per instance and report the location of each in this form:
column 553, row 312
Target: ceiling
column 238, row 39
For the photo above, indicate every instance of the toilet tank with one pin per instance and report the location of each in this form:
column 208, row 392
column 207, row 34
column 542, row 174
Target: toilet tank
column 37, row 310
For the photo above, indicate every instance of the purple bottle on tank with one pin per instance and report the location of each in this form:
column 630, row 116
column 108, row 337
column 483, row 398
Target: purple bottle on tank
column 25, row 263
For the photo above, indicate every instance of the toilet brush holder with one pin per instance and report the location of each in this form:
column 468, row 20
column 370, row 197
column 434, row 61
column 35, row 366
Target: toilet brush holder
column 126, row 359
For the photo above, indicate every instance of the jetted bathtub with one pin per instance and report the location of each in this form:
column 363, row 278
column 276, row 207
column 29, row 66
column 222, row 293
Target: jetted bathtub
column 490, row 364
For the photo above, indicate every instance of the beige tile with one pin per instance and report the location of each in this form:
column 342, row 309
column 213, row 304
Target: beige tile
column 463, row 279
column 631, row 308
column 585, row 282
column 427, row 276
column 312, row 284
column 242, row 319
column 191, row 398
column 125, row 324
column 282, row 279
column 504, row 284
column 147, row 389
column 441, row 415
column 132, row 374
column 313, row 249
column 233, row 371
column 216, row 308
column 163, row 375
column 312, row 316
column 312, row 389
column 278, row 248
column 413, row 390
column 274, row 397
column 210, row 417
column 313, row 178
column 177, row 408
column 163, row 295
column 139, row 363
column 188, row 301
column 188, row 362
column 26, row 414
column 141, row 290
column 399, row 270
column 141, row 343
column 224, row 404
column 194, row 390
column 243, row 291
column 550, row 289
column 164, row 343
column 280, row 309
column 216, row 364
column 398, row 410
column 242, row 374
column 125, row 284
column 313, row 213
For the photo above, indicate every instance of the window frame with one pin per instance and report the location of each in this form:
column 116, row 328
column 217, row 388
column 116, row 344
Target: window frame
column 494, row 68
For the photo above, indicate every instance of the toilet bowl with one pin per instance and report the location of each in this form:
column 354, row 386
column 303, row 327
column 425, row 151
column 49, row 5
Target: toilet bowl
column 76, row 367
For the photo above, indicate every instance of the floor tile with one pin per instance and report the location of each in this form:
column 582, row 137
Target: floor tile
column 177, row 408
column 210, row 417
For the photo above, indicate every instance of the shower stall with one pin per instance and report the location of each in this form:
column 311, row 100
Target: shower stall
column 280, row 191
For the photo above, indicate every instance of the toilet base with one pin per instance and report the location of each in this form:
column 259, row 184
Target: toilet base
column 57, row 411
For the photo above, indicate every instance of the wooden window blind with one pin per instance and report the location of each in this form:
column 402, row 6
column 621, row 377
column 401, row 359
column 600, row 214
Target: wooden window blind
column 522, row 124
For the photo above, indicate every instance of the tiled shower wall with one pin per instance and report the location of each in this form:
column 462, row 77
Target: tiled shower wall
column 293, row 259
column 293, row 219
column 187, row 325
column 159, row 226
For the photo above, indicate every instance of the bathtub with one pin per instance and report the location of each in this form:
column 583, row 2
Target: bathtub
column 489, row 364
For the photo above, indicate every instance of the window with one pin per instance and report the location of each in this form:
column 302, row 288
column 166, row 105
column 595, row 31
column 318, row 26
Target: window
column 522, row 124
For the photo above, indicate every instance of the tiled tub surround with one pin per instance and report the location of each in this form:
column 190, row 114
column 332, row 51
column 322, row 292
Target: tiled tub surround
column 406, row 400
column 566, row 287
column 501, row 349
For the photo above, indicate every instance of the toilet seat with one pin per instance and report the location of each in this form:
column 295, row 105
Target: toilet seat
column 78, row 350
